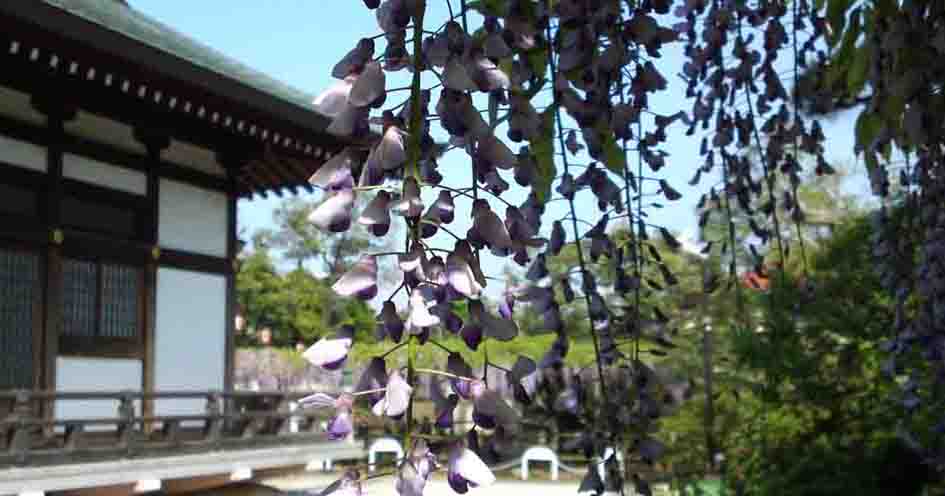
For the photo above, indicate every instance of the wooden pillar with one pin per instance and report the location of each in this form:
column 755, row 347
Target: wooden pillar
column 57, row 114
column 155, row 142
column 232, row 163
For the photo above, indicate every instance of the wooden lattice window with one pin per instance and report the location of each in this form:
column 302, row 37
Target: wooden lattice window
column 102, row 307
column 20, row 287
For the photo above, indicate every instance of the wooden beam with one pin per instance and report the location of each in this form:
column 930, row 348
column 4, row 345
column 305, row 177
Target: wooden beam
column 258, row 171
column 155, row 142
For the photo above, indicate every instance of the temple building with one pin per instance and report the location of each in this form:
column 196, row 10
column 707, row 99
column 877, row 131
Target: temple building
column 124, row 148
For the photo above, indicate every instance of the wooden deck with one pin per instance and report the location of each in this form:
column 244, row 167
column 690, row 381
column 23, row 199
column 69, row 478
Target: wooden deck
column 237, row 430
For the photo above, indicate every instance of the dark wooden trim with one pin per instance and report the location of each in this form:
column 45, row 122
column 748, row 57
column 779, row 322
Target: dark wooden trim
column 194, row 262
column 53, row 286
column 231, row 247
column 100, row 347
column 129, row 160
column 99, row 248
column 23, row 131
column 53, row 320
column 155, row 143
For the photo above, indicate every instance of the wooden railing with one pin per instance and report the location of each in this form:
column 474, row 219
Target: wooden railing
column 30, row 434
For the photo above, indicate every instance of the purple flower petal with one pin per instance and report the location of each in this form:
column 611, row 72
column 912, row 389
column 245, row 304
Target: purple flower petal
column 377, row 214
column 392, row 324
column 340, row 426
column 360, row 281
column 369, row 86
column 334, row 214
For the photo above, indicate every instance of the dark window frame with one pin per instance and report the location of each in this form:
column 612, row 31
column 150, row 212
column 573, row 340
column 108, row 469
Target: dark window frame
column 99, row 345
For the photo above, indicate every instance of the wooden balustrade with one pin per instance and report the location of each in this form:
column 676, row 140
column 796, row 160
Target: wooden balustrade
column 30, row 435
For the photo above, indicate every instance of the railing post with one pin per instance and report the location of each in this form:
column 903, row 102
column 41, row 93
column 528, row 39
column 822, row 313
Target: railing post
column 213, row 429
column 281, row 424
column 126, row 423
column 19, row 429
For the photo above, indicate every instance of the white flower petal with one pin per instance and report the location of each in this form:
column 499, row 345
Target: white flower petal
column 333, row 100
column 473, row 469
column 369, row 86
column 327, row 351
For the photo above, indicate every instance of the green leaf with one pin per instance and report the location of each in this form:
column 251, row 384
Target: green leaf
column 614, row 157
column 868, row 127
column 856, row 76
column 495, row 8
column 837, row 16
column 543, row 151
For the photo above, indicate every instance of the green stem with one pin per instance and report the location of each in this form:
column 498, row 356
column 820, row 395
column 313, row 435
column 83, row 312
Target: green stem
column 413, row 156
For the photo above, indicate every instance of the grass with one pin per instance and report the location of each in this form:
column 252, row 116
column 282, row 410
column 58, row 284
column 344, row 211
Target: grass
column 500, row 353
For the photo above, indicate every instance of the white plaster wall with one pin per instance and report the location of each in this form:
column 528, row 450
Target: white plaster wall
column 101, row 174
column 189, row 344
column 102, row 130
column 194, row 157
column 192, row 219
column 95, row 374
column 17, row 105
column 22, row 154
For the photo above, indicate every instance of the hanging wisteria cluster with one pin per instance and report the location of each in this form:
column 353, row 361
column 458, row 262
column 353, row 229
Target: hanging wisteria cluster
column 570, row 84
column 566, row 80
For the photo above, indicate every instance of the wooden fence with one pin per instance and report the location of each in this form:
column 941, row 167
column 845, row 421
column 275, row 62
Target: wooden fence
column 31, row 435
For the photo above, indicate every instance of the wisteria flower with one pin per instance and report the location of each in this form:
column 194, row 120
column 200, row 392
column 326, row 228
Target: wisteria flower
column 377, row 214
column 415, row 470
column 348, row 485
column 443, row 405
column 420, row 316
column 335, row 174
column 334, row 100
column 354, row 60
column 410, row 204
column 396, row 397
column 341, row 425
column 360, row 281
column 330, row 353
column 467, row 470
column 334, row 214
column 460, row 273
column 490, row 410
column 369, row 87
column 373, row 378
column 390, row 323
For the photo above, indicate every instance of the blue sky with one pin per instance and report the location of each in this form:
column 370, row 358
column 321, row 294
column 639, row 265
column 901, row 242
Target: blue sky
column 298, row 42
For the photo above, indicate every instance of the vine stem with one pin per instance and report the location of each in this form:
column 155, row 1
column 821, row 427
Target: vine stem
column 416, row 136
column 368, row 391
column 580, row 252
column 444, row 374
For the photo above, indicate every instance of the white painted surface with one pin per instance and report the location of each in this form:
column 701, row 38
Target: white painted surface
column 95, row 374
column 17, row 105
column 189, row 337
column 540, row 454
column 102, row 130
column 101, row 174
column 383, row 445
column 22, row 154
column 192, row 219
column 194, row 157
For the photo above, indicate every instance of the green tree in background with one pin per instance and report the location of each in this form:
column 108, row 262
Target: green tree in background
column 296, row 304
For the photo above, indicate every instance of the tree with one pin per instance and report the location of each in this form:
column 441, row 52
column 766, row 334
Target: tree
column 301, row 242
column 296, row 305
column 819, row 425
